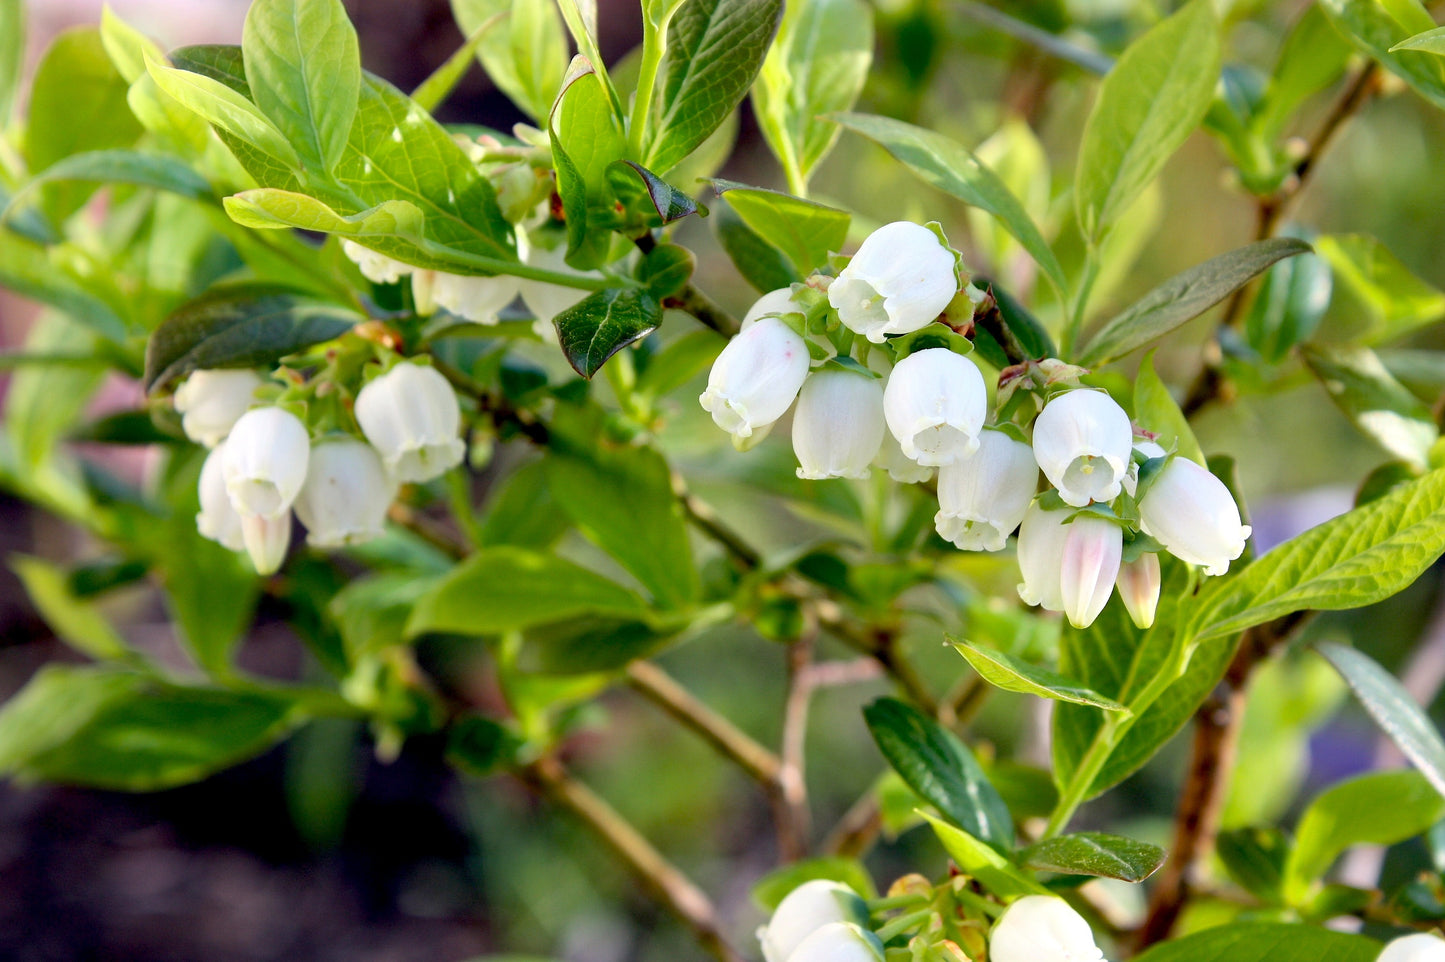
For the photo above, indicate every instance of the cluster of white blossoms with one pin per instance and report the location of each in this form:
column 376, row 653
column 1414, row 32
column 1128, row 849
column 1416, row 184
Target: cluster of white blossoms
column 930, row 411
column 264, row 464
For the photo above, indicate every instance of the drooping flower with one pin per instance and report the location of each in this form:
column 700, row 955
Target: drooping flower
column 377, row 268
column 1082, row 441
column 1420, row 947
column 755, row 379
column 839, row 942
column 983, row 497
column 779, row 301
column 1042, row 928
column 1068, row 566
column 346, row 494
column 901, row 279
column 1192, row 514
column 935, row 404
column 838, row 425
column 476, row 299
column 217, row 520
column 265, row 462
column 900, row 467
column 411, row 416
column 805, row 910
column 211, row 401
column 1138, row 585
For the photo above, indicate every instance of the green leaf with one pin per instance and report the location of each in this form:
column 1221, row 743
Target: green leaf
column 979, row 859
column 524, row 54
column 1374, row 32
column 522, row 512
column 304, row 68
column 770, row 890
column 592, row 644
column 1291, row 301
column 480, row 746
column 1148, row 105
column 12, row 54
column 1254, row 858
column 1312, row 58
column 432, row 92
column 938, row 766
column 1431, row 41
column 1392, row 708
column 587, row 139
column 42, row 403
column 371, row 613
column 670, row 203
column 74, row 620
column 1094, row 853
column 714, row 51
column 210, row 592
column 126, row 46
column 245, row 325
column 1394, row 300
column 1184, row 296
column 1156, row 410
column 1011, row 674
column 805, row 231
column 224, row 109
column 268, row 208
column 159, row 171
column 666, row 270
column 504, row 588
column 1349, row 814
column 679, row 362
column 603, row 323
column 760, row 263
column 129, row 732
column 34, row 272
column 1264, row 942
column 1378, row 404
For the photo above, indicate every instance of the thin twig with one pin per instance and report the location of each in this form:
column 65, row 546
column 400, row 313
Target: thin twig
column 836, row 674
column 706, row 520
column 794, row 819
column 437, row 535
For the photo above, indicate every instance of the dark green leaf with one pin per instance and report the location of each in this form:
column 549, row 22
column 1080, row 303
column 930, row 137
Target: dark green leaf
column 591, row 644
column 760, row 263
column 603, row 323
column 1378, row 404
column 1011, row 674
column 670, row 203
column 480, row 746
column 666, row 270
column 772, row 888
column 119, row 167
column 1289, row 305
column 803, row 230
column 1094, row 853
column 1264, row 942
column 522, row 512
column 1254, row 858
column 1374, row 31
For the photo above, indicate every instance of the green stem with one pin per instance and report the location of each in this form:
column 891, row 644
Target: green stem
column 654, row 44
column 587, row 46
column 904, row 922
column 1081, row 303
column 495, row 265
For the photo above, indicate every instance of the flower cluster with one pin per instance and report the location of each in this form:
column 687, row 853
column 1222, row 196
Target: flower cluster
column 1113, row 497
column 264, row 464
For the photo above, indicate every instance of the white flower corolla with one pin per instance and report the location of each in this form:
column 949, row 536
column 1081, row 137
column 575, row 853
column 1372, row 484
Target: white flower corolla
column 265, row 462
column 545, row 300
column 901, row 467
column 477, row 299
column 1068, row 566
column 217, row 520
column 755, row 379
column 346, row 494
column 839, row 942
column 838, row 425
column 935, row 404
column 1138, row 585
column 210, row 403
column 779, row 301
column 266, row 541
column 983, row 497
column 1042, row 928
column 805, row 910
column 411, row 416
column 377, row 268
column 901, row 279
column 1082, row 441
column 1420, row 947
column 1192, row 514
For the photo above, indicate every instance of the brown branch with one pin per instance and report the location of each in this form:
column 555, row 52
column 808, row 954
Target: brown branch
column 836, row 674
column 793, row 818
column 706, row 520
column 699, row 305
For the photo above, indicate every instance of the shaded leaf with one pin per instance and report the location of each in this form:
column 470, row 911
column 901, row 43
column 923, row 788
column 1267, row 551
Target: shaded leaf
column 28, row 270
column 1395, row 301
column 1254, row 858
column 760, row 263
column 119, row 167
column 1291, row 301
column 1156, row 410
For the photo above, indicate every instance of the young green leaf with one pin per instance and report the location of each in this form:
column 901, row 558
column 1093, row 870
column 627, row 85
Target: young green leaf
column 772, row 888
column 523, row 50
column 127, row 47
column 1094, row 853
column 979, row 859
column 74, row 620
column 1264, row 942
column 226, row 110
column 805, row 231
column 1431, row 41
column 1394, row 300
column 1156, row 410
column 603, row 323
column 1314, row 56
column 1375, row 33
column 432, row 92
column 1149, row 103
column 941, row 769
column 1011, row 674
column 1378, row 404
column 266, row 208
column 1291, row 301
column 760, row 263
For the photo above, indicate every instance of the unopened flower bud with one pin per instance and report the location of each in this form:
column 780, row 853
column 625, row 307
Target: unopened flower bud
column 1138, row 585
column 983, row 497
column 377, row 268
column 217, row 520
column 838, row 426
column 1042, row 928
column 839, row 942
column 779, row 301
column 935, row 404
column 1082, row 441
column 1068, row 566
column 1420, row 947
column 265, row 462
column 901, row 279
column 754, row 379
column 346, row 494
column 1192, row 514
column 266, row 541
column 805, row 910
column 411, row 416
column 210, row 403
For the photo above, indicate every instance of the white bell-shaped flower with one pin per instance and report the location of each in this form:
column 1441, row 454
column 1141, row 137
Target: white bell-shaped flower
column 779, row 301
column 217, row 520
column 935, row 404
column 901, row 467
column 411, row 416
column 1082, row 441
column 346, row 494
column 755, row 379
column 1138, row 585
column 1420, row 947
column 805, row 910
column 544, row 300
column 477, row 299
column 838, row 425
column 983, row 497
column 210, row 403
column 377, row 268
column 1192, row 514
column 1042, row 928
column 265, row 462
column 839, row 942
column 1068, row 566
column 266, row 541
column 901, row 279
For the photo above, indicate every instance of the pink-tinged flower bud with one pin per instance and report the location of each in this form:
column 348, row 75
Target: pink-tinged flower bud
column 983, row 497
column 477, row 299
column 805, row 910
column 1420, row 947
column 900, row 467
column 1138, row 586
column 211, row 402
column 839, row 942
column 217, row 520
column 1068, row 567
column 411, row 416
column 1192, row 514
column 754, row 379
column 779, row 301
column 377, row 268
column 265, row 462
column 1042, row 928
column 266, row 541
column 838, row 426
column 901, row 279
column 935, row 404
column 1082, row 441
column 346, row 494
